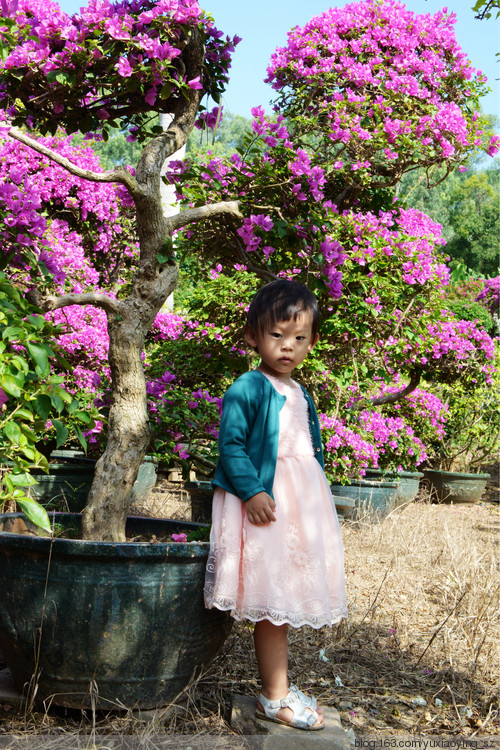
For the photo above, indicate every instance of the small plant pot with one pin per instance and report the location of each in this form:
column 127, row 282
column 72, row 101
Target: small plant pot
column 373, row 500
column 455, row 486
column 409, row 482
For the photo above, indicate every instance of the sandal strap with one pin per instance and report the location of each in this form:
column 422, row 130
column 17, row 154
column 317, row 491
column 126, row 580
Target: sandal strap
column 303, row 716
column 308, row 700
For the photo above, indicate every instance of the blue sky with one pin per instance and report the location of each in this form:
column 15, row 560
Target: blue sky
column 263, row 26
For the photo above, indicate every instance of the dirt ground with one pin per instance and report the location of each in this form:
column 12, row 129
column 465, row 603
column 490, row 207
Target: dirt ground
column 418, row 655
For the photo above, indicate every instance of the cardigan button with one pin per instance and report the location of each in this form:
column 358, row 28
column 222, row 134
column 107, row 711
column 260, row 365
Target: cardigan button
column 318, row 450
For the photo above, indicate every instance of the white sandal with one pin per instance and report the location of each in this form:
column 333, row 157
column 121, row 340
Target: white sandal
column 309, row 701
column 303, row 716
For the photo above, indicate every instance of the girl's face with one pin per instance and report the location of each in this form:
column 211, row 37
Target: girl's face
column 285, row 345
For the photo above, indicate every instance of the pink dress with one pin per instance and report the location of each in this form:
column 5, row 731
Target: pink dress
column 290, row 571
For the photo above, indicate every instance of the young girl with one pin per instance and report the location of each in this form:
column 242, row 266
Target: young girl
column 276, row 554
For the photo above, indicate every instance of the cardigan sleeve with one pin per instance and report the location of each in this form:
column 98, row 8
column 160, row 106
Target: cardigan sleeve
column 239, row 410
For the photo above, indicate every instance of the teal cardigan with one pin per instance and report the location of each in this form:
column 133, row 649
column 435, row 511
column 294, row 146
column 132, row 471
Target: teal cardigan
column 248, row 436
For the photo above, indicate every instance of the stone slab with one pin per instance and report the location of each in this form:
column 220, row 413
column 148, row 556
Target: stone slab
column 266, row 735
column 8, row 692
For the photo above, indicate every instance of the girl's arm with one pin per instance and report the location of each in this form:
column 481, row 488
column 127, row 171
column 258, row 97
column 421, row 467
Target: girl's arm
column 239, row 410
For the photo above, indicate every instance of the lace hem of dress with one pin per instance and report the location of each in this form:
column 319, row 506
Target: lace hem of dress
column 279, row 618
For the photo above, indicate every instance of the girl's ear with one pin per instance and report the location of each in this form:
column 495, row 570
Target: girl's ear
column 250, row 337
column 313, row 342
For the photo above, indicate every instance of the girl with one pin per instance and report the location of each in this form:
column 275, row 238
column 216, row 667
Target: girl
column 276, row 554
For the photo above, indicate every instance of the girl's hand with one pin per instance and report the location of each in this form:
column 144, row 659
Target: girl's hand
column 260, row 509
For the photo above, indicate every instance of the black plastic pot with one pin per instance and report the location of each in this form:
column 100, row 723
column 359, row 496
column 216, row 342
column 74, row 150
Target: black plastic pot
column 123, row 622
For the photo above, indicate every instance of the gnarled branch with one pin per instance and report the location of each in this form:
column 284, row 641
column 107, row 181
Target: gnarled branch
column 190, row 215
column 51, row 302
column 119, row 175
column 391, row 398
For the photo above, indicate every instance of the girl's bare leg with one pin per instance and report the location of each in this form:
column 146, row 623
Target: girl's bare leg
column 271, row 649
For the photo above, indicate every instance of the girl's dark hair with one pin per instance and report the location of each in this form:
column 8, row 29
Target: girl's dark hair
column 281, row 300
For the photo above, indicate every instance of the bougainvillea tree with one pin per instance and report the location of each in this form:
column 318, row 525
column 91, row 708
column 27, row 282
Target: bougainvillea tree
column 117, row 65
column 362, row 98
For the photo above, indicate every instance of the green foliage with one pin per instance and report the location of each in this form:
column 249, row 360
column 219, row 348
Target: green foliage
column 204, row 361
column 461, row 296
column 474, row 217
column 472, row 431
column 486, row 8
column 467, row 205
column 31, row 396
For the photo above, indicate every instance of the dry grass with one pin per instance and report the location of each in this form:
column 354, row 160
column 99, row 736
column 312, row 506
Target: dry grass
column 419, row 654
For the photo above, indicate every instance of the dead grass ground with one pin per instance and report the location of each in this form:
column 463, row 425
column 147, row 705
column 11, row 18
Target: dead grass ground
column 418, row 655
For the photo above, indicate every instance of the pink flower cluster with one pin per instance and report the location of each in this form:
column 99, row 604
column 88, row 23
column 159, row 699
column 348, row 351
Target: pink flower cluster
column 381, row 78
column 490, row 295
column 462, row 341
column 31, row 187
column 408, row 235
column 370, row 439
column 129, row 48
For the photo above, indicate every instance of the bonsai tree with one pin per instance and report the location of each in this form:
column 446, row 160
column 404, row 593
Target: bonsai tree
column 310, row 194
column 118, row 66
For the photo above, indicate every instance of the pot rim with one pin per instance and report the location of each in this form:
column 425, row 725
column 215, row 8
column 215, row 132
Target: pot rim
column 368, row 483
column 395, row 474
column 110, row 551
column 457, row 474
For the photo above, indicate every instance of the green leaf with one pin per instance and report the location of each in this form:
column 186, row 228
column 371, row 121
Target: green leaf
column 11, row 332
column 23, row 479
column 39, row 353
column 25, row 414
column 43, row 405
column 57, row 402
column 35, row 512
column 36, row 321
column 62, row 433
column 80, row 437
column 11, row 429
column 10, row 386
column 20, row 363
column 166, row 90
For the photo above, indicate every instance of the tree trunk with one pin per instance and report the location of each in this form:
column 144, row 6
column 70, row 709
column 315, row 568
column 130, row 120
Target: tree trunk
column 106, row 511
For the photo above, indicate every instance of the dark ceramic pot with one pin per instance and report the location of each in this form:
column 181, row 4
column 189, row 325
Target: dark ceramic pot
column 455, row 486
column 105, row 624
column 409, row 482
column 373, row 500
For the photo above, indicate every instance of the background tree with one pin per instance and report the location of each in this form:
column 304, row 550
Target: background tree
column 308, row 195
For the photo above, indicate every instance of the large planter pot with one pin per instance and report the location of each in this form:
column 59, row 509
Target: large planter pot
column 455, row 487
column 126, row 618
column 373, row 499
column 409, row 482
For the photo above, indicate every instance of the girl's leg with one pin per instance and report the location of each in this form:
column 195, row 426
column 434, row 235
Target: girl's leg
column 271, row 649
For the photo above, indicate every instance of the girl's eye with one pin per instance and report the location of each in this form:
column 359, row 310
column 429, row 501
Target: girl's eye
column 300, row 338
column 275, row 334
